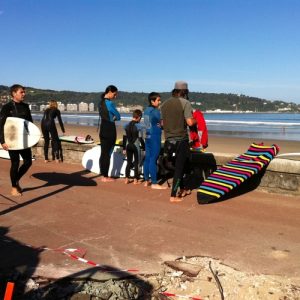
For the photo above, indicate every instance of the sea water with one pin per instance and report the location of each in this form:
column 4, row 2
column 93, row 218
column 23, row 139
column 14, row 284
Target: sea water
column 279, row 126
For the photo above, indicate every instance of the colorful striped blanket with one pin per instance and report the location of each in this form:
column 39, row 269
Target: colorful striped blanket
column 234, row 173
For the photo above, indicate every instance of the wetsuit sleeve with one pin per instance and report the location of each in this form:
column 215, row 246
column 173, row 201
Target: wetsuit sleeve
column 124, row 138
column 29, row 116
column 140, row 132
column 60, row 121
column 3, row 116
column 114, row 114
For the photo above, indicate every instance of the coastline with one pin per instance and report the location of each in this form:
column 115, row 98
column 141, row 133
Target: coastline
column 216, row 142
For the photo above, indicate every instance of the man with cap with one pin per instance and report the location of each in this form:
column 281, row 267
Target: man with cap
column 177, row 115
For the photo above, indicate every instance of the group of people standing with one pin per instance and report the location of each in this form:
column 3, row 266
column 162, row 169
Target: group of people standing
column 173, row 117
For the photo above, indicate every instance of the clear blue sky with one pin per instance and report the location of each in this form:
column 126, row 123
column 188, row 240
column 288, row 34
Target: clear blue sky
column 250, row 47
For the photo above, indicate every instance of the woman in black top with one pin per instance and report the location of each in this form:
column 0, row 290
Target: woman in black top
column 49, row 129
column 16, row 108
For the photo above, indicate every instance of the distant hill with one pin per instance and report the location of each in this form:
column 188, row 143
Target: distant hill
column 203, row 101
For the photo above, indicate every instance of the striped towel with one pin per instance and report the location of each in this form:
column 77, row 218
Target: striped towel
column 235, row 172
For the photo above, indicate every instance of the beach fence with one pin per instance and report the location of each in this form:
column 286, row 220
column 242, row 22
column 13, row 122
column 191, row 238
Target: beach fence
column 282, row 175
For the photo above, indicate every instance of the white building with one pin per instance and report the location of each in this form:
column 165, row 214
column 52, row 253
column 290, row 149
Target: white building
column 83, row 107
column 91, row 107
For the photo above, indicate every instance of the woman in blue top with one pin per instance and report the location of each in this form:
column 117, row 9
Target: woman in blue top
column 108, row 133
column 152, row 122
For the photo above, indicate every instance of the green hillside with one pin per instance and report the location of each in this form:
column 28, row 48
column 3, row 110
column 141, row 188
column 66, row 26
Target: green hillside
column 203, row 101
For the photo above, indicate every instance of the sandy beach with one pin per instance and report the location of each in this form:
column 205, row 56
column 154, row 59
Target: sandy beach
column 220, row 144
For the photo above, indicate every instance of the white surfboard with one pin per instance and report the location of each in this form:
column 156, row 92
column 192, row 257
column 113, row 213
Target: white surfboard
column 75, row 139
column 20, row 134
column 295, row 155
column 4, row 154
column 118, row 162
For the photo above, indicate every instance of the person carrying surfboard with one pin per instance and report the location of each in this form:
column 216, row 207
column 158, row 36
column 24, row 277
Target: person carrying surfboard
column 16, row 108
column 108, row 132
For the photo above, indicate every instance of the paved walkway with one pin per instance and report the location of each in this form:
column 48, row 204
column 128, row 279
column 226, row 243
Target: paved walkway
column 130, row 226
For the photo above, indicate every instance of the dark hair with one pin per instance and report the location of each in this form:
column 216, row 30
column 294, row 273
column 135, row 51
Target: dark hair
column 152, row 97
column 110, row 88
column 137, row 113
column 180, row 93
column 14, row 88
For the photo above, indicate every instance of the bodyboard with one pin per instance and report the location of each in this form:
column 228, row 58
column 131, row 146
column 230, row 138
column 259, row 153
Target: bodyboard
column 118, row 162
column 236, row 172
column 75, row 139
column 20, row 134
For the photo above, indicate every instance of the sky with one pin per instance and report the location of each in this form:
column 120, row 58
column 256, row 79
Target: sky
column 249, row 47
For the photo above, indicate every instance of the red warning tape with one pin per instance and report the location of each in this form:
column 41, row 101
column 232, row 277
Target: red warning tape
column 181, row 296
column 70, row 253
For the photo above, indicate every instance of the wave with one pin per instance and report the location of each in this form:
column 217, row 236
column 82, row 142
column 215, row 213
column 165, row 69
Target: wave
column 252, row 123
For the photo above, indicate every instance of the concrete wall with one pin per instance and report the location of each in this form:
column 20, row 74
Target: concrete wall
column 281, row 176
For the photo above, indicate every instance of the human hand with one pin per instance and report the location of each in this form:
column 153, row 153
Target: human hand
column 4, row 146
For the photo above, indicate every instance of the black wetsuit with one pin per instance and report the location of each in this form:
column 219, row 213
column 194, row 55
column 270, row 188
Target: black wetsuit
column 132, row 143
column 108, row 133
column 18, row 110
column 49, row 129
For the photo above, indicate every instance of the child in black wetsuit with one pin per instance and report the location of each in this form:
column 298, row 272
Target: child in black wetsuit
column 133, row 142
column 49, row 129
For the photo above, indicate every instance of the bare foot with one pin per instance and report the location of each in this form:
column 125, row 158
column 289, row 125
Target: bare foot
column 19, row 189
column 14, row 192
column 58, row 161
column 147, row 183
column 135, row 181
column 107, row 179
column 183, row 193
column 175, row 199
column 158, row 187
column 47, row 160
column 127, row 181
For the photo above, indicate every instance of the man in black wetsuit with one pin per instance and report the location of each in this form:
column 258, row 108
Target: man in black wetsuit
column 16, row 108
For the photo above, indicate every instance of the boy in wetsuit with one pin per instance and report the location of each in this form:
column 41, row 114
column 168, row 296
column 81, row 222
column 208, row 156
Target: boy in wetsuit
column 16, row 108
column 132, row 143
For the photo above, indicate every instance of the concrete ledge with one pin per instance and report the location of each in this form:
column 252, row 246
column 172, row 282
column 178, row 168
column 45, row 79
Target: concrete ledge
column 281, row 176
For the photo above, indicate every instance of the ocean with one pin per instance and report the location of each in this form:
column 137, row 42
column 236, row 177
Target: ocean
column 279, row 126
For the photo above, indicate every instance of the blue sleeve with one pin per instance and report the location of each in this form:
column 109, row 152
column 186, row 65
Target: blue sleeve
column 114, row 115
column 156, row 117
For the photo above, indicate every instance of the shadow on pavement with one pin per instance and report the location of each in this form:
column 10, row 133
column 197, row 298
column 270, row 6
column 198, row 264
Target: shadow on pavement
column 18, row 262
column 53, row 179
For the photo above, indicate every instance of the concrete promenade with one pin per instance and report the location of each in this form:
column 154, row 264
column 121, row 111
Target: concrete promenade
column 130, row 226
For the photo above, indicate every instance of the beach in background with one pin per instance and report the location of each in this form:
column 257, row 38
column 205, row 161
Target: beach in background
column 216, row 142
column 228, row 132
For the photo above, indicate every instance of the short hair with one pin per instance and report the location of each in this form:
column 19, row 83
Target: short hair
column 137, row 113
column 53, row 104
column 152, row 97
column 180, row 93
column 14, row 88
